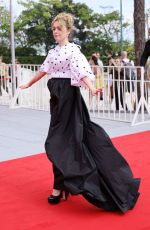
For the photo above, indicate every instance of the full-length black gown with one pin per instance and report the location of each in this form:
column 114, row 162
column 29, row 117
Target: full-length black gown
column 84, row 153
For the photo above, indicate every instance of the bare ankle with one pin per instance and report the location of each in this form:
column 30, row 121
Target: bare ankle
column 56, row 192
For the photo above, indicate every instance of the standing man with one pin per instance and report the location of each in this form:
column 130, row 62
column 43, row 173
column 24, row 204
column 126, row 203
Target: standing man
column 125, row 59
column 146, row 52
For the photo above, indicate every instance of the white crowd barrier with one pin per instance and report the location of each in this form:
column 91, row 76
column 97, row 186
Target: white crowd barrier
column 119, row 99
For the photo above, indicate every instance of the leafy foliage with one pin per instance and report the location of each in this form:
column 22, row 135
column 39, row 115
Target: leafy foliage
column 93, row 31
column 4, row 30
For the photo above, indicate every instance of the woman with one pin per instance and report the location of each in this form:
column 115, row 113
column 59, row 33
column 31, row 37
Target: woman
column 83, row 156
column 110, row 62
column 97, row 72
column 118, row 82
column 3, row 76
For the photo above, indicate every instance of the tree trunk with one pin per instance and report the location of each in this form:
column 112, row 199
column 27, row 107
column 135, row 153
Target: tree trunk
column 139, row 37
column 139, row 29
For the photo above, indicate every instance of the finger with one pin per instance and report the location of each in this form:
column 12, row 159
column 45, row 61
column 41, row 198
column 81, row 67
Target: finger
column 23, row 87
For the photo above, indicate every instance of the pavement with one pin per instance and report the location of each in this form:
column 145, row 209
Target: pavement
column 23, row 131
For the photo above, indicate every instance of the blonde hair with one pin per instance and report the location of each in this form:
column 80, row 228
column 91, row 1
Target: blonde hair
column 64, row 19
column 124, row 54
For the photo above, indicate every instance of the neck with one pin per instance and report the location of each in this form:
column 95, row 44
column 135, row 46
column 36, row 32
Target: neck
column 64, row 42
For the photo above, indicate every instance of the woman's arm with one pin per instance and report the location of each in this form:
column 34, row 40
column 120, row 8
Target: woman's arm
column 33, row 80
column 89, row 84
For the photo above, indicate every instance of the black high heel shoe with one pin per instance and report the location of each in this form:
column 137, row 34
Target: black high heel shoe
column 56, row 199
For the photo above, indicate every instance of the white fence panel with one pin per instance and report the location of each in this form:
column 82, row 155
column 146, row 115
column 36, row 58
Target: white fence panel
column 118, row 101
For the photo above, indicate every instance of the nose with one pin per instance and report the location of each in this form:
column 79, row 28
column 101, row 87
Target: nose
column 55, row 31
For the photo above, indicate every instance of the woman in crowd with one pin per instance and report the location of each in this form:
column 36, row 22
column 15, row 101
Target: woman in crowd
column 98, row 74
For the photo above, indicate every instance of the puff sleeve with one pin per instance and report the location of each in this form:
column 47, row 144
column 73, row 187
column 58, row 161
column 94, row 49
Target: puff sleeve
column 46, row 66
column 80, row 68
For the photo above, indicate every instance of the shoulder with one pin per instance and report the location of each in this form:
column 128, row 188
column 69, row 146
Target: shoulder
column 52, row 50
column 51, row 53
column 74, row 47
column 3, row 64
column 75, row 52
column 148, row 42
column 100, row 63
column 125, row 61
column 132, row 62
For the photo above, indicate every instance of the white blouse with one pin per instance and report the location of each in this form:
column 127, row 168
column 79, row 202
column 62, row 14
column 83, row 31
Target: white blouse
column 67, row 61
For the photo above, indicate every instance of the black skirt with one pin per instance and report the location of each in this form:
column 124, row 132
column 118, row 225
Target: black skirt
column 84, row 153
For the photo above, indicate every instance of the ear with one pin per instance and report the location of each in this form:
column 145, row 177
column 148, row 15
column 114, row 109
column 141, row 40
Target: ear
column 69, row 31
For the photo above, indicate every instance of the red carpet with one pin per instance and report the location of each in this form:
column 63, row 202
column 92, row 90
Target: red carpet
column 25, row 184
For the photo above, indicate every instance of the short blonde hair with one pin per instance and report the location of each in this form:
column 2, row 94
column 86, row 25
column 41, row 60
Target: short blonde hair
column 64, row 19
column 124, row 54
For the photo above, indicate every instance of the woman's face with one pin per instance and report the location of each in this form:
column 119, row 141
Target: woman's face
column 60, row 32
column 117, row 61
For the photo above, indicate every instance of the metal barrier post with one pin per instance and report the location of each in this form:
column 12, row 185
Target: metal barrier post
column 142, row 103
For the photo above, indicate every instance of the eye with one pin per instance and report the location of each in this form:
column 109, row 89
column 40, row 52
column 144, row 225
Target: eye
column 59, row 28
column 56, row 28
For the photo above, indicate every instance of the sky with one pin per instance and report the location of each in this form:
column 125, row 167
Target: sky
column 105, row 6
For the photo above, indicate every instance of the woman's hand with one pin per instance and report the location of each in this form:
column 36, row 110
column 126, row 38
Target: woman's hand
column 25, row 86
column 90, row 85
column 95, row 91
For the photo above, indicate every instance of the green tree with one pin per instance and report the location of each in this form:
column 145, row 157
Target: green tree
column 106, row 36
column 33, row 25
column 93, row 31
column 4, row 31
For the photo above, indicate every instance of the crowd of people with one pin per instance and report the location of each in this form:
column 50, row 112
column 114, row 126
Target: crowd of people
column 120, row 79
column 120, row 76
column 6, row 76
